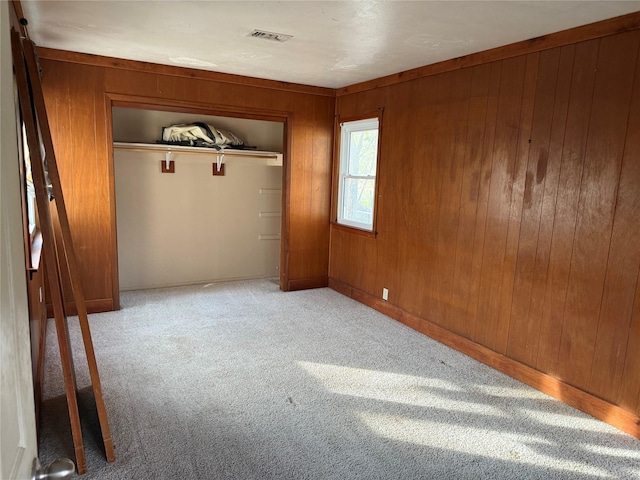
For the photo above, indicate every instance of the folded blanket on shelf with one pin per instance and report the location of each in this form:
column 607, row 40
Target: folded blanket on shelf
column 200, row 134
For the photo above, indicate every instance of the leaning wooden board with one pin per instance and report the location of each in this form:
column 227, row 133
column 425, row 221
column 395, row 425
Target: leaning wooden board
column 59, row 255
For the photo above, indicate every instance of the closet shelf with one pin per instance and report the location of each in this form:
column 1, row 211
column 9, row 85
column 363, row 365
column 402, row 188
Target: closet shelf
column 273, row 158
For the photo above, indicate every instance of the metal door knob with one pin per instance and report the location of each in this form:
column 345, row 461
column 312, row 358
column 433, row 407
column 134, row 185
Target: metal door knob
column 61, row 468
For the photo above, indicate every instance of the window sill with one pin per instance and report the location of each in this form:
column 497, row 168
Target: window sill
column 354, row 230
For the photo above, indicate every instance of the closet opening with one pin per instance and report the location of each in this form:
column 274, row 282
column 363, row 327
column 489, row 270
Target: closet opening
column 196, row 215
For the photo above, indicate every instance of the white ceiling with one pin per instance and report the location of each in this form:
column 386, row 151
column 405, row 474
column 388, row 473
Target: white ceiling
column 334, row 44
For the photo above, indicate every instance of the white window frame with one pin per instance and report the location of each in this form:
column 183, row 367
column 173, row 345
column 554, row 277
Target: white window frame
column 346, row 129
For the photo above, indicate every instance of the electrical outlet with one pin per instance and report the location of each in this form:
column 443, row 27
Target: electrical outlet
column 385, row 294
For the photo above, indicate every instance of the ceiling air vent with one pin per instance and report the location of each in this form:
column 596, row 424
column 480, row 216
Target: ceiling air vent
column 276, row 37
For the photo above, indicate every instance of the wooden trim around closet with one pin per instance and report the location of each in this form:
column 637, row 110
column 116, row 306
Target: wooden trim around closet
column 307, row 283
column 585, row 402
column 603, row 28
column 115, row 272
column 93, row 306
column 173, row 105
column 138, row 66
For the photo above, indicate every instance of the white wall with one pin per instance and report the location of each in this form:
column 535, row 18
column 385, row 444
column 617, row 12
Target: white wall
column 193, row 227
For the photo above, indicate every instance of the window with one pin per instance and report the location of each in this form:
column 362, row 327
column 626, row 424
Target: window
column 357, row 175
column 30, row 189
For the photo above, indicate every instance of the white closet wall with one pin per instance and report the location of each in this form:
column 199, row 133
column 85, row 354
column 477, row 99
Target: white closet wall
column 190, row 226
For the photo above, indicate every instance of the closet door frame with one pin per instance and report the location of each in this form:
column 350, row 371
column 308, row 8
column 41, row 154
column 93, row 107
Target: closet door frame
column 163, row 104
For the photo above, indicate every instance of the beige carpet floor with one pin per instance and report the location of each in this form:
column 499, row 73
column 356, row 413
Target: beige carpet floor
column 242, row 381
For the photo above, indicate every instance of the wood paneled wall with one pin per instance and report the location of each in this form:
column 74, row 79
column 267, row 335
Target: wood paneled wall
column 79, row 90
column 38, row 333
column 509, row 210
column 508, row 207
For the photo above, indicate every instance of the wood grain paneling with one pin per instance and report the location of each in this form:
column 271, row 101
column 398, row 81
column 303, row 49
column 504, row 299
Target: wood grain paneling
column 540, row 272
column 398, row 176
column 623, row 263
column 583, row 58
column 520, row 179
column 508, row 212
column 601, row 175
column 426, row 185
column 482, row 200
column 629, row 396
column 38, row 333
column 450, row 159
column 79, row 96
column 505, row 144
column 461, row 321
column 528, row 211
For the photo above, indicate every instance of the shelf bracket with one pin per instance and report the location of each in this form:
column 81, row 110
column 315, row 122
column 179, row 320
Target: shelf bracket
column 167, row 165
column 218, row 166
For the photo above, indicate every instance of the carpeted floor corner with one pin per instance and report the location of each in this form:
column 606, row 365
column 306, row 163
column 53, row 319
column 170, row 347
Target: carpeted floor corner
column 239, row 380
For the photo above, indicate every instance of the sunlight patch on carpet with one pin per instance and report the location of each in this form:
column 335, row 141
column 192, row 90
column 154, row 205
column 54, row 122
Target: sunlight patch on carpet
column 394, row 387
column 467, row 439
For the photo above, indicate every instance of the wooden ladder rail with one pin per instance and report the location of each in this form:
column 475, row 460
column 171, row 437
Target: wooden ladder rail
column 49, row 249
column 63, row 251
column 68, row 249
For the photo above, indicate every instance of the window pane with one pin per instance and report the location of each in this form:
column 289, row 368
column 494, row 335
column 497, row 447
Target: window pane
column 358, row 158
column 363, row 150
column 358, row 200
